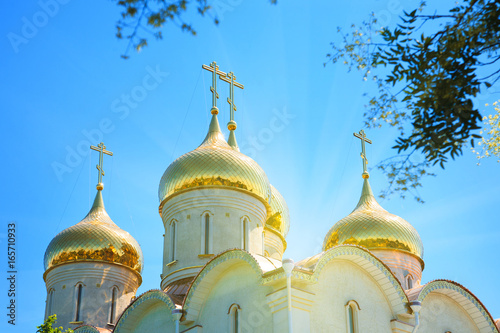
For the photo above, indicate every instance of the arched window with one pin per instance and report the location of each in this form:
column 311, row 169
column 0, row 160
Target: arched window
column 352, row 312
column 234, row 318
column 78, row 300
column 173, row 239
column 409, row 281
column 50, row 303
column 206, row 232
column 112, row 310
column 244, row 234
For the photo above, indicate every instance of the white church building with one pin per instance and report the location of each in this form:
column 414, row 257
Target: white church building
column 223, row 267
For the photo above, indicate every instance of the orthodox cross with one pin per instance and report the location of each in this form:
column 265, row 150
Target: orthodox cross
column 101, row 148
column 362, row 136
column 231, row 79
column 215, row 70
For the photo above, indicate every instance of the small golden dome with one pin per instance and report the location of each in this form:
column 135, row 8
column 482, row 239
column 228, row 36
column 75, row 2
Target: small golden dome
column 371, row 226
column 95, row 238
column 214, row 163
column 279, row 218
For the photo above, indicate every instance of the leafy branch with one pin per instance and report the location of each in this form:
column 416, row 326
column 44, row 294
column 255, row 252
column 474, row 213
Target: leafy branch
column 435, row 74
column 46, row 327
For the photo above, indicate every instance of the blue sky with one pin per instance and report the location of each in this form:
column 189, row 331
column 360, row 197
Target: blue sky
column 67, row 83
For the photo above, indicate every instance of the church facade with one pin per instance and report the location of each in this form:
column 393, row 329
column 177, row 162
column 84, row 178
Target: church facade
column 223, row 267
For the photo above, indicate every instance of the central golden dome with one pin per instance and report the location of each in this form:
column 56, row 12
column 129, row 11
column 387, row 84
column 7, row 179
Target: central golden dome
column 95, row 238
column 214, row 163
column 371, row 226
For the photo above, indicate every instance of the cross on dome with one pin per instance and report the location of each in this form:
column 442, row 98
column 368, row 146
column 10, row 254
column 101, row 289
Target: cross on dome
column 101, row 148
column 362, row 136
column 231, row 79
column 213, row 88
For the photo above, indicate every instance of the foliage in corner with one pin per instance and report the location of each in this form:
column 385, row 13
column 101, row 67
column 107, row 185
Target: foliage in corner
column 427, row 70
column 46, row 327
column 141, row 18
column 489, row 146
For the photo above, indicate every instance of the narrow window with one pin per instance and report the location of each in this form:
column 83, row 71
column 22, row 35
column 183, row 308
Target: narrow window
column 79, row 290
column 245, row 234
column 351, row 319
column 234, row 318
column 173, row 240
column 207, row 234
column 50, row 301
column 352, row 312
column 409, row 281
column 113, row 305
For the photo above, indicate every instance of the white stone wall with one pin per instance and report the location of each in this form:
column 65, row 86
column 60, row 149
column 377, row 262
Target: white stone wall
column 227, row 208
column 156, row 319
column 239, row 285
column 97, row 279
column 339, row 282
column 440, row 313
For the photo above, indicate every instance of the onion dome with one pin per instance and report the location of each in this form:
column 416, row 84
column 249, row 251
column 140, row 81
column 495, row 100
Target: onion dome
column 214, row 163
column 371, row 226
column 279, row 218
column 95, row 238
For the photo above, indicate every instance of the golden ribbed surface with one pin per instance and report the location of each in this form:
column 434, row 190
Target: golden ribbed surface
column 214, row 163
column 279, row 218
column 95, row 238
column 371, row 226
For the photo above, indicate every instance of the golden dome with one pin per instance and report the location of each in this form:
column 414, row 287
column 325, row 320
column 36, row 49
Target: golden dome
column 279, row 218
column 214, row 163
column 371, row 226
column 95, row 238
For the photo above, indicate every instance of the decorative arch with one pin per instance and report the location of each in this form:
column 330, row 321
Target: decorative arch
column 365, row 259
column 86, row 329
column 481, row 317
column 353, row 303
column 234, row 305
column 145, row 301
column 193, row 301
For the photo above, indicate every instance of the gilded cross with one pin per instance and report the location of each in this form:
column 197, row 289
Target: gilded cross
column 231, row 79
column 362, row 136
column 101, row 148
column 215, row 70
